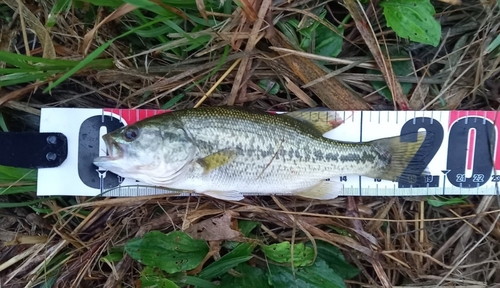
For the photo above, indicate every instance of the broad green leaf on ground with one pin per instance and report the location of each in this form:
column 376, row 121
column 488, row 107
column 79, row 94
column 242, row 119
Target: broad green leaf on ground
column 413, row 19
column 328, row 43
column 400, row 68
column 246, row 226
column 150, row 277
column 282, row 253
column 270, row 86
column 443, row 201
column 319, row 275
column 182, row 279
column 242, row 253
column 335, row 259
column 172, row 252
column 245, row 276
column 115, row 254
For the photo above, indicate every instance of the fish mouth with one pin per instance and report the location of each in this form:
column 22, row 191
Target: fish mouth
column 114, row 150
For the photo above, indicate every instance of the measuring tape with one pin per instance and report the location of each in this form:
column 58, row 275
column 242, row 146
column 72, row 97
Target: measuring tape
column 463, row 160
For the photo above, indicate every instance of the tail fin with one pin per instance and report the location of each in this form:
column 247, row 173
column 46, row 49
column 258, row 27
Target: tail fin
column 404, row 156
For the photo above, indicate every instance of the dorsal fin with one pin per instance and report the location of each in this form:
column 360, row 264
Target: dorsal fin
column 322, row 119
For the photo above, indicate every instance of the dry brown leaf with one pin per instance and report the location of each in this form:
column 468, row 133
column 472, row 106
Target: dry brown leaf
column 417, row 100
column 453, row 97
column 122, row 10
column 193, row 216
column 299, row 93
column 215, row 229
column 371, row 41
column 331, row 91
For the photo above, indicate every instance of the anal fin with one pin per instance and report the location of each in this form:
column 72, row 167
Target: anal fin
column 225, row 195
column 325, row 190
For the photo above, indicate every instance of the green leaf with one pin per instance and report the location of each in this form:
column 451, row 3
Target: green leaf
column 3, row 125
column 248, row 277
column 182, row 279
column 443, row 201
column 246, row 226
column 151, row 6
column 335, row 259
column 18, row 78
column 400, row 68
column 59, row 6
column 413, row 19
column 115, row 254
column 289, row 31
column 14, row 173
column 281, row 253
column 198, row 282
column 172, row 252
column 493, row 45
column 170, row 103
column 153, row 278
column 242, row 253
column 270, row 86
column 328, row 43
column 319, row 275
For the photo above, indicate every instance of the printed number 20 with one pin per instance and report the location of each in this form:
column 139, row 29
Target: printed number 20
column 433, row 138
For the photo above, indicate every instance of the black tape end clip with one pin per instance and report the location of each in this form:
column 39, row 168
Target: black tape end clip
column 33, row 150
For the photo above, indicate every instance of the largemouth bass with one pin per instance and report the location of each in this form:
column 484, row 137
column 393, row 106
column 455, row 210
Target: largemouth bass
column 228, row 152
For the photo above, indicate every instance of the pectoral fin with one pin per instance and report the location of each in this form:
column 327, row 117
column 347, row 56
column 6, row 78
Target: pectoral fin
column 322, row 120
column 325, row 190
column 216, row 160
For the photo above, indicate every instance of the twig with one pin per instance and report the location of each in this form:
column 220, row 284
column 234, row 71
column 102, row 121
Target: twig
column 217, row 83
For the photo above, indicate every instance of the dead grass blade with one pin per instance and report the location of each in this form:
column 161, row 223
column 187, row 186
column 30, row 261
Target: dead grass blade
column 246, row 62
column 87, row 39
column 17, row 94
column 352, row 210
column 383, row 62
column 32, row 22
column 216, row 84
column 331, row 92
column 200, row 4
column 299, row 93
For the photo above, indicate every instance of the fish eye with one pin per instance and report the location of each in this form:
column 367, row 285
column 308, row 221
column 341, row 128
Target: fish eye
column 131, row 133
